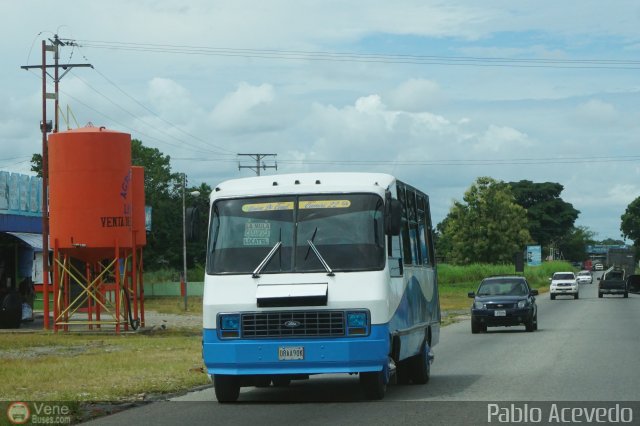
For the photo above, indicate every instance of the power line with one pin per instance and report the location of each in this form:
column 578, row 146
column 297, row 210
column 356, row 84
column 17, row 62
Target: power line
column 155, row 128
column 124, row 126
column 367, row 57
column 444, row 162
column 207, row 144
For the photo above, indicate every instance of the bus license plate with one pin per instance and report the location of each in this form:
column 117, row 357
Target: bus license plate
column 289, row 353
column 500, row 313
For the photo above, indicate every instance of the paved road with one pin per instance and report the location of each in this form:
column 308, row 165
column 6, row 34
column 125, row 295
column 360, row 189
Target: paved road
column 585, row 350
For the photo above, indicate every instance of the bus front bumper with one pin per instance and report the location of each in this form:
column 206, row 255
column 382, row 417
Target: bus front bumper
column 319, row 355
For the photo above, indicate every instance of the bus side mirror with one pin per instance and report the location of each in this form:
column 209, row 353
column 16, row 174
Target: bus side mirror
column 192, row 221
column 393, row 219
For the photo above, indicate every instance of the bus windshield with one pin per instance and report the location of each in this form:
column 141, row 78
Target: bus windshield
column 346, row 229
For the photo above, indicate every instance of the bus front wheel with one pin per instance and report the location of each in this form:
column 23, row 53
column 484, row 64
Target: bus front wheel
column 227, row 387
column 421, row 367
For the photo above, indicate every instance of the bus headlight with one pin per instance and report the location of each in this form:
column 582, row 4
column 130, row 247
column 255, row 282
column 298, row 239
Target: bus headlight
column 229, row 325
column 357, row 323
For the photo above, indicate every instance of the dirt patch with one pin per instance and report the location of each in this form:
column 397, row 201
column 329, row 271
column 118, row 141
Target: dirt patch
column 57, row 350
column 155, row 320
column 453, row 316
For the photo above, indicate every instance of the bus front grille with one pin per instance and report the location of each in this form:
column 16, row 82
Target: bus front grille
column 293, row 324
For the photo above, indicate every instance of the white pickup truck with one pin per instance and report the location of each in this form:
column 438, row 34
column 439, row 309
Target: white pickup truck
column 564, row 283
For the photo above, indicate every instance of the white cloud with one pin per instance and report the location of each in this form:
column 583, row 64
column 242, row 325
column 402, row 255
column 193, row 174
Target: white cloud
column 171, row 99
column 371, row 104
column 415, row 95
column 499, row 138
column 245, row 108
column 621, row 194
column 596, row 112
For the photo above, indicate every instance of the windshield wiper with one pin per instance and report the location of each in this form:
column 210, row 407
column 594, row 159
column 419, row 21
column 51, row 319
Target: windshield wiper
column 256, row 273
column 324, row 262
column 312, row 237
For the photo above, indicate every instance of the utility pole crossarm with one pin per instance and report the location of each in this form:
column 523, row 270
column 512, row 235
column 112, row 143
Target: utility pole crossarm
column 64, row 67
column 259, row 163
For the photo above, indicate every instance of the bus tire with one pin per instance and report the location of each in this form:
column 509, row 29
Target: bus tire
column 421, row 367
column 227, row 387
column 373, row 384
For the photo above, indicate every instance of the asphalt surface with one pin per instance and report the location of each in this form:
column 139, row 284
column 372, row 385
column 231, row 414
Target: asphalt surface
column 585, row 350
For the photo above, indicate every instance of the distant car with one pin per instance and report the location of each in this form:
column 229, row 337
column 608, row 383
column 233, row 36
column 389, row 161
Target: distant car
column 585, row 277
column 598, row 267
column 504, row 301
column 564, row 283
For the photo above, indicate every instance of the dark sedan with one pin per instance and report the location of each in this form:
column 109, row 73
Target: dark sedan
column 504, row 301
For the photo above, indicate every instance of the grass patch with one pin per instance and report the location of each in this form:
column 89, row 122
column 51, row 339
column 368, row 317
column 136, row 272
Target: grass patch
column 462, row 279
column 174, row 305
column 195, row 274
column 456, row 281
column 83, row 367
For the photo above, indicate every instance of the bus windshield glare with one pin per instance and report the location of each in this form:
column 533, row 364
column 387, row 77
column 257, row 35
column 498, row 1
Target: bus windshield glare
column 346, row 229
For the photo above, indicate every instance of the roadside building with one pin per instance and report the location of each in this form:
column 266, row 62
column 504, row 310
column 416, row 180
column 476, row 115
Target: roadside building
column 20, row 243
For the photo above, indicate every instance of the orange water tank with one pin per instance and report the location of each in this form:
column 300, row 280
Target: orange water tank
column 90, row 189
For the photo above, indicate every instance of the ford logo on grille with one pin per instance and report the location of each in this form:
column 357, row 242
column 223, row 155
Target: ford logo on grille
column 292, row 324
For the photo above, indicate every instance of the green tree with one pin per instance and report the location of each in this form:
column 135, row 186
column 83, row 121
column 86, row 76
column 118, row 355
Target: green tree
column 630, row 222
column 573, row 245
column 161, row 191
column 36, row 164
column 549, row 217
column 611, row 242
column 488, row 226
column 442, row 242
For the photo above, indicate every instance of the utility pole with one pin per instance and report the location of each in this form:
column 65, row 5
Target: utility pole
column 184, row 239
column 259, row 163
column 45, row 127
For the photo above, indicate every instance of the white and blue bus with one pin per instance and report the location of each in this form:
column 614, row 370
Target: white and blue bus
column 319, row 273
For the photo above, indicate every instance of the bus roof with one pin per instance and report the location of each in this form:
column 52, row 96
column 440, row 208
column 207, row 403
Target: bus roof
column 299, row 183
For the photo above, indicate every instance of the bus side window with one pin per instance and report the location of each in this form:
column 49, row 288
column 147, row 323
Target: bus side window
column 395, row 256
column 406, row 239
column 414, row 228
column 423, row 226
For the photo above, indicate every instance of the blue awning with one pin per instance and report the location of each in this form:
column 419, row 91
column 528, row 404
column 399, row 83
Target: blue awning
column 34, row 240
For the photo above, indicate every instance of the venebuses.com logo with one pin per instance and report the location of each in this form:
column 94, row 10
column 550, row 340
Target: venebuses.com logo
column 39, row 412
column 18, row 413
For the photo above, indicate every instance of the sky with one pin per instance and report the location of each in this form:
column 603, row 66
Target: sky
column 437, row 93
